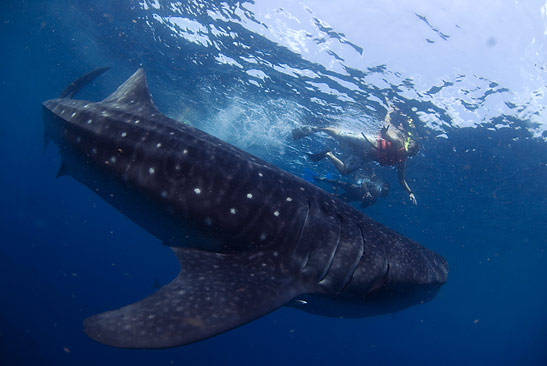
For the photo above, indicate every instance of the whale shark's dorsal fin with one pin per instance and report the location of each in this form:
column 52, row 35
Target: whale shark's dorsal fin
column 79, row 83
column 133, row 93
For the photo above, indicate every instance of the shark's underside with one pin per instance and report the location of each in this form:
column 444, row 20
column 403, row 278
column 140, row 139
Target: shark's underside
column 261, row 237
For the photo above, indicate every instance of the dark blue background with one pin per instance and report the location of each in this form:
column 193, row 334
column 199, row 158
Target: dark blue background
column 65, row 254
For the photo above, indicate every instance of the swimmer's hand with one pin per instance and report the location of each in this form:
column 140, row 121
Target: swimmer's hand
column 413, row 198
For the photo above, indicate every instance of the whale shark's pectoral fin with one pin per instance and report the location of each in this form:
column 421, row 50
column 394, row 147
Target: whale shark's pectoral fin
column 63, row 170
column 213, row 293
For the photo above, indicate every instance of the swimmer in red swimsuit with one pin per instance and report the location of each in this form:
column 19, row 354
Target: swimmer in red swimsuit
column 392, row 147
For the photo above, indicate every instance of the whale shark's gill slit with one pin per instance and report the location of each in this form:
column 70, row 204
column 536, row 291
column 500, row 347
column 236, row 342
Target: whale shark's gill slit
column 301, row 233
column 333, row 252
column 355, row 264
column 305, row 260
column 379, row 281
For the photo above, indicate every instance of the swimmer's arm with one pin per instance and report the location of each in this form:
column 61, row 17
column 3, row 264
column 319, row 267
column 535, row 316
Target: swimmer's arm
column 401, row 168
column 387, row 119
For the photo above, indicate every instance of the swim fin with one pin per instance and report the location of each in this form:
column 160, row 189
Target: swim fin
column 301, row 132
column 315, row 157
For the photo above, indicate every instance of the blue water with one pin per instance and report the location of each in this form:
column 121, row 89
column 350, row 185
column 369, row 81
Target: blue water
column 482, row 198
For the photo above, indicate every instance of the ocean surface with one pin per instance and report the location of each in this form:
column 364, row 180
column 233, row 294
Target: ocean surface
column 471, row 75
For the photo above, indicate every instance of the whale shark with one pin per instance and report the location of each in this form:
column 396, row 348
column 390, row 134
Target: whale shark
column 249, row 236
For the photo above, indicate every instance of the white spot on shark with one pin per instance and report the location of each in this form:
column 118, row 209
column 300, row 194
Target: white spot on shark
column 197, row 190
column 289, row 199
column 260, row 174
column 163, row 194
column 89, row 121
column 151, row 170
column 113, row 159
column 73, row 115
column 232, row 211
column 137, row 121
column 263, row 236
column 158, row 145
column 124, row 134
column 249, row 195
column 276, row 213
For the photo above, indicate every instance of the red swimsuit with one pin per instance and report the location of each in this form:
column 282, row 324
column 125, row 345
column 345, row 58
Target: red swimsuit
column 388, row 155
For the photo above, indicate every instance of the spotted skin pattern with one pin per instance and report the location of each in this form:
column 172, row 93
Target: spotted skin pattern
column 261, row 237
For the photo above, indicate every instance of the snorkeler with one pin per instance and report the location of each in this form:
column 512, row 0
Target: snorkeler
column 366, row 190
column 392, row 147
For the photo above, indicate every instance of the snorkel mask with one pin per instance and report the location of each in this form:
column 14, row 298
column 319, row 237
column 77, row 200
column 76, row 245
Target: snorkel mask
column 407, row 142
column 408, row 133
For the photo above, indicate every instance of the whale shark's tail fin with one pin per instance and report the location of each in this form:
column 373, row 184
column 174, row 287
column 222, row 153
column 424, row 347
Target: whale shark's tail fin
column 78, row 84
column 213, row 293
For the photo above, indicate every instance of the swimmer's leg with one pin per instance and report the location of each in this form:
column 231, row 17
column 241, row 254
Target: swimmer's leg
column 345, row 138
column 344, row 168
column 332, row 131
column 390, row 109
column 301, row 132
column 338, row 164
